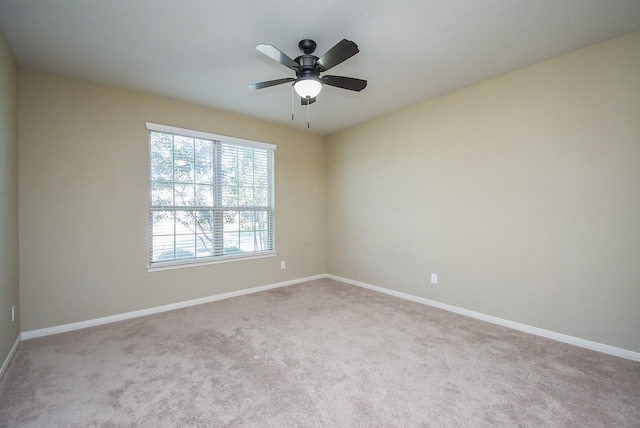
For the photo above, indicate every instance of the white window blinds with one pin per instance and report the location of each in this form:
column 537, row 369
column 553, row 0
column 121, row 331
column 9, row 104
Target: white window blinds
column 211, row 196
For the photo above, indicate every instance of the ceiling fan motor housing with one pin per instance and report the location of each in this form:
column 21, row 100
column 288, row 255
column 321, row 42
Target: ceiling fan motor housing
column 308, row 63
column 308, row 66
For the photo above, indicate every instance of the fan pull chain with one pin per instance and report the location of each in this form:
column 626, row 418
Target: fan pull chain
column 291, row 102
column 308, row 108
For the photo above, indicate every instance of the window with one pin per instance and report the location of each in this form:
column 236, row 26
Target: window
column 212, row 197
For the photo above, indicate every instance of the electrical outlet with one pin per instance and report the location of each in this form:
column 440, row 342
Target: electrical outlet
column 13, row 313
column 434, row 278
column 283, row 264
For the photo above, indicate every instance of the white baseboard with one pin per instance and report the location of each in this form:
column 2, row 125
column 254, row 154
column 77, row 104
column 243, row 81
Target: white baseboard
column 9, row 357
column 32, row 334
column 594, row 346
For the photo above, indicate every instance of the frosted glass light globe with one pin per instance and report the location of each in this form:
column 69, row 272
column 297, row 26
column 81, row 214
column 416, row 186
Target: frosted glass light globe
column 308, row 88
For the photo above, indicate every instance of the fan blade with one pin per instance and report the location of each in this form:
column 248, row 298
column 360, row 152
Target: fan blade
column 269, row 83
column 337, row 54
column 349, row 83
column 275, row 54
column 304, row 102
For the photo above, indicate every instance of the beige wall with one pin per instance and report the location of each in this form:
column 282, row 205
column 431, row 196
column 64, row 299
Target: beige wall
column 84, row 192
column 522, row 193
column 9, row 291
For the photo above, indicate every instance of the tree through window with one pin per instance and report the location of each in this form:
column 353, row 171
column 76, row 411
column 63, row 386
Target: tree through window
column 211, row 196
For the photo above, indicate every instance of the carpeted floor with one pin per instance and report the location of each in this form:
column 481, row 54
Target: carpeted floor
column 316, row 354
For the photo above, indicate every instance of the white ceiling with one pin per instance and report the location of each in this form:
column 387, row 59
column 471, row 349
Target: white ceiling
column 203, row 51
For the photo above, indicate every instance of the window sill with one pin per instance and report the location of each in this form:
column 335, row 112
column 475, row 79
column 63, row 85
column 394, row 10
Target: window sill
column 209, row 261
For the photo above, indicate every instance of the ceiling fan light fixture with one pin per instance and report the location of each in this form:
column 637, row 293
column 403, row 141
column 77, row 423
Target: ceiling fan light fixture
column 308, row 88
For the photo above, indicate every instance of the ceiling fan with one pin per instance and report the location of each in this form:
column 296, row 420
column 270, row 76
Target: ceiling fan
column 308, row 67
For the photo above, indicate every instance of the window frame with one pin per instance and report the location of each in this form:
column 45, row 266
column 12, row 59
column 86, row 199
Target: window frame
column 224, row 258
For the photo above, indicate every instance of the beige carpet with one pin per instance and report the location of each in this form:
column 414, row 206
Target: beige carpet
column 315, row 354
